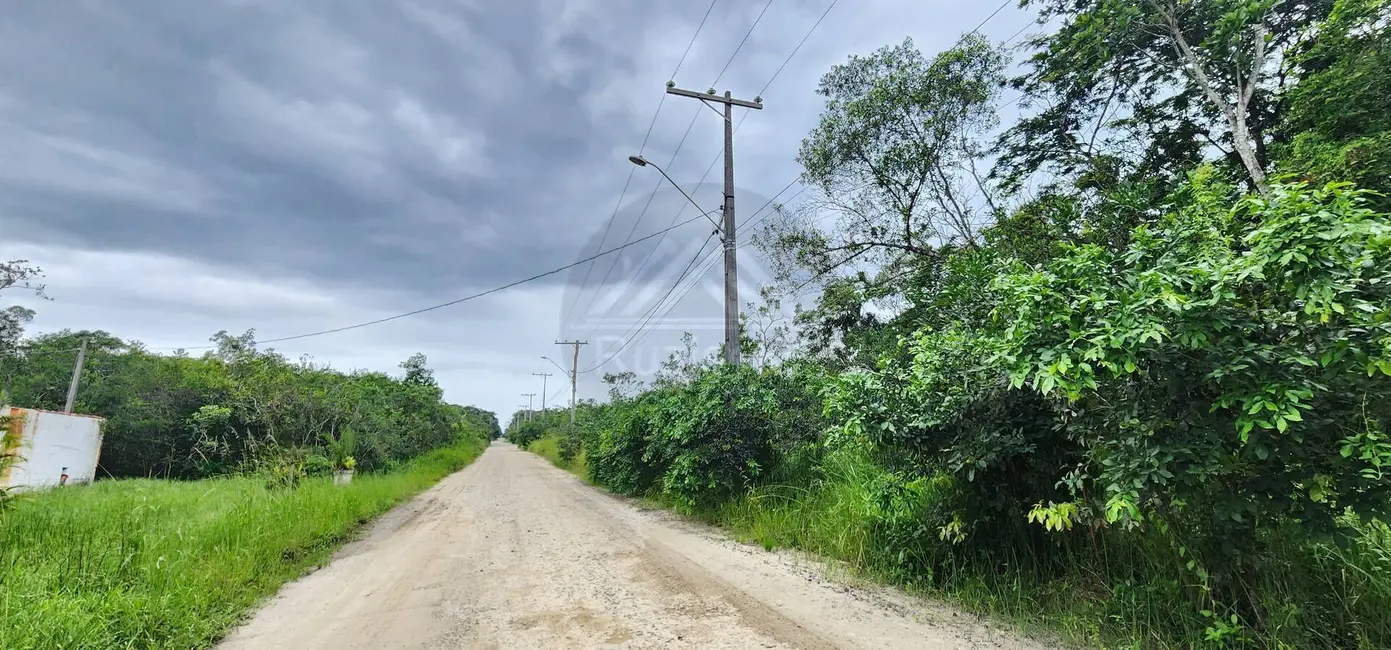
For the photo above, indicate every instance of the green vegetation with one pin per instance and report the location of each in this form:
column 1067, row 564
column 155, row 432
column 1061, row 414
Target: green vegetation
column 1121, row 369
column 150, row 563
column 553, row 447
column 9, row 456
column 235, row 448
column 549, row 434
column 236, row 408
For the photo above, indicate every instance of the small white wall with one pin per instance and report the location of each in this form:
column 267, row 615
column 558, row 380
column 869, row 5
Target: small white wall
column 51, row 443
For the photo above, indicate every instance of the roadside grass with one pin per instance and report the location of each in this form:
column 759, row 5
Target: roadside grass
column 159, row 564
column 1121, row 591
column 548, row 447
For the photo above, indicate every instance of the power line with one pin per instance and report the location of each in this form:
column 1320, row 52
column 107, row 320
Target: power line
column 693, row 40
column 644, row 320
column 742, row 117
column 992, row 15
column 642, row 214
column 641, row 149
column 650, row 315
column 741, row 43
column 1018, row 33
column 709, row 263
column 798, row 48
column 641, row 322
column 460, row 300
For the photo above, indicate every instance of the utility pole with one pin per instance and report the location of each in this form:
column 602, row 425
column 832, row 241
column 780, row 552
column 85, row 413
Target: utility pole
column 731, row 259
column 543, row 376
column 528, row 397
column 574, row 373
column 76, row 377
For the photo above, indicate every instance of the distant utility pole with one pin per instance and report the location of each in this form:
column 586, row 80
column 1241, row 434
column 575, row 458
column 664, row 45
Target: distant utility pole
column 76, row 377
column 574, row 373
column 731, row 260
column 528, row 397
column 543, row 376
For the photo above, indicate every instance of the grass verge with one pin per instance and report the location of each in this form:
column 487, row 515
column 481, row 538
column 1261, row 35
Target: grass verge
column 161, row 564
column 548, row 447
column 1120, row 591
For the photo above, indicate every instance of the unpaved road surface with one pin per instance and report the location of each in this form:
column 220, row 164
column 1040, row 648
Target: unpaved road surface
column 514, row 553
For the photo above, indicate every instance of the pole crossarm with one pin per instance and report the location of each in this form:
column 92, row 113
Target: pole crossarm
column 727, row 230
column 710, row 96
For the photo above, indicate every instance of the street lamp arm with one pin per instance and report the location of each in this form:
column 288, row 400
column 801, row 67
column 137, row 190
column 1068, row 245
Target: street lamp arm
column 643, row 162
column 567, row 372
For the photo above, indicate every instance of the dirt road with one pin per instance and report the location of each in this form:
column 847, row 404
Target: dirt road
column 514, row 553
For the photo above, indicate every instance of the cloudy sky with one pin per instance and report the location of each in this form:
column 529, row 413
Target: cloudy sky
column 179, row 168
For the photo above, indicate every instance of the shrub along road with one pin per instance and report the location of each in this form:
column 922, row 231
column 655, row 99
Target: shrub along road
column 514, row 553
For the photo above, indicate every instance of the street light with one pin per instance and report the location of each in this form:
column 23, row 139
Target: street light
column 567, row 372
column 643, row 162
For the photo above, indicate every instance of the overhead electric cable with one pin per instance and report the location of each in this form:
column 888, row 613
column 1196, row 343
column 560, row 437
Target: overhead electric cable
column 641, row 149
column 460, row 300
column 648, row 258
column 647, row 318
column 650, row 314
column 741, row 43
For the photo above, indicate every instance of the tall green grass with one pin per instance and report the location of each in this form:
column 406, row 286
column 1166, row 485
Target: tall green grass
column 1120, row 590
column 548, row 447
column 159, row 564
column 1115, row 589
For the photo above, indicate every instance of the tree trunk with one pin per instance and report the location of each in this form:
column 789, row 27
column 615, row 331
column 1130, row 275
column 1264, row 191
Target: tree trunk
column 1235, row 113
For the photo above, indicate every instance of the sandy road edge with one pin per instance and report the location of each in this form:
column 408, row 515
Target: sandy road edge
column 361, row 539
column 758, row 611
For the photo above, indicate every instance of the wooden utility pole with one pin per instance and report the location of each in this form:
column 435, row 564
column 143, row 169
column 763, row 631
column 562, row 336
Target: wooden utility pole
column 731, row 259
column 574, row 373
column 76, row 377
column 543, row 376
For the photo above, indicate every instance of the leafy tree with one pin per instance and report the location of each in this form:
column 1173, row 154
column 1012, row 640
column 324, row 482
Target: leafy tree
column 898, row 161
column 17, row 274
column 237, row 407
column 1225, row 375
column 895, row 157
column 418, row 373
column 1335, row 124
column 766, row 333
column 1147, row 88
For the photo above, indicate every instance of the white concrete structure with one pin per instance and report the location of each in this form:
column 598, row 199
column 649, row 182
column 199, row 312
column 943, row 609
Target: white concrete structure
column 50, row 444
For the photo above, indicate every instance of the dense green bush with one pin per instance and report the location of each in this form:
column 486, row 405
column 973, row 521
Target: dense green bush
column 703, row 439
column 616, row 442
column 570, row 442
column 1221, row 383
column 526, row 432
